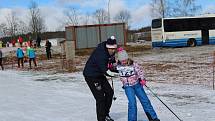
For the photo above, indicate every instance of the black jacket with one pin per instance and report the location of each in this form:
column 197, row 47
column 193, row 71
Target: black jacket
column 1, row 54
column 97, row 64
column 48, row 45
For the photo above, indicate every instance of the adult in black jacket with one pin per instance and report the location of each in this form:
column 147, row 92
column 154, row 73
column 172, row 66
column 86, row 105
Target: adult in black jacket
column 38, row 41
column 48, row 46
column 95, row 72
column 1, row 56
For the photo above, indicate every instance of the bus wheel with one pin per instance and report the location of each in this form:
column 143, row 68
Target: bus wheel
column 191, row 43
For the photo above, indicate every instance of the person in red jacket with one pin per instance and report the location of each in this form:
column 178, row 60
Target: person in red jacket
column 20, row 40
column 13, row 42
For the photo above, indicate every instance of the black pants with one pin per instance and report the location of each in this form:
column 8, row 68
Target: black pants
column 1, row 64
column 48, row 53
column 20, row 60
column 103, row 93
column 20, row 44
column 32, row 59
column 38, row 44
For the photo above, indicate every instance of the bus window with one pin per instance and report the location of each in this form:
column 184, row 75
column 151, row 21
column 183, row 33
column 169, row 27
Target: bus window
column 173, row 25
column 156, row 23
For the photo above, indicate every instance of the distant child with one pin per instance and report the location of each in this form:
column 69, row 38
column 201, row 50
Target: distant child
column 132, row 78
column 32, row 56
column 1, row 56
column 20, row 57
column 24, row 48
column 8, row 44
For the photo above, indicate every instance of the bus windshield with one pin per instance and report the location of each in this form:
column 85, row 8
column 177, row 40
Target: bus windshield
column 156, row 23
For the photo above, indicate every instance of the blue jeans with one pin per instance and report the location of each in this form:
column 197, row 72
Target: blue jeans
column 138, row 90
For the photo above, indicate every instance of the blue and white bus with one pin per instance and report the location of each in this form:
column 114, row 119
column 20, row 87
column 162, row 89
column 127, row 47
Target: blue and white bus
column 183, row 31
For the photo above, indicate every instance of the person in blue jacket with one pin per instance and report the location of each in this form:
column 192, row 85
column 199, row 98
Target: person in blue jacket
column 32, row 56
column 20, row 56
column 95, row 72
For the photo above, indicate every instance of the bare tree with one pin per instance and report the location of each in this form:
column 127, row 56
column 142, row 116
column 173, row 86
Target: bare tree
column 22, row 27
column 168, row 8
column 12, row 23
column 37, row 23
column 159, row 8
column 3, row 29
column 72, row 17
column 87, row 19
column 186, row 8
column 101, row 16
column 123, row 16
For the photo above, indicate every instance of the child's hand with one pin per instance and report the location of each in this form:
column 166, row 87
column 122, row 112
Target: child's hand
column 143, row 82
column 112, row 74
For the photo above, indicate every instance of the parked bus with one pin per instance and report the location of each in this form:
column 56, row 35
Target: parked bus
column 183, row 31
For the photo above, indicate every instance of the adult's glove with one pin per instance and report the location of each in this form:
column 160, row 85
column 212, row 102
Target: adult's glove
column 112, row 74
column 142, row 81
column 112, row 64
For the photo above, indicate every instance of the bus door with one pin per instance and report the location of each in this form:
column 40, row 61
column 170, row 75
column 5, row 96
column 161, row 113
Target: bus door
column 205, row 36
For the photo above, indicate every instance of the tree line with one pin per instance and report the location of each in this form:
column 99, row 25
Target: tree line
column 15, row 26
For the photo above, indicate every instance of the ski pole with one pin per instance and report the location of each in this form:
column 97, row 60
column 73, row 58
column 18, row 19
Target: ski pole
column 114, row 97
column 162, row 102
column 213, row 77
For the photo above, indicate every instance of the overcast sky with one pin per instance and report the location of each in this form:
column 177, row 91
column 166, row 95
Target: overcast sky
column 52, row 10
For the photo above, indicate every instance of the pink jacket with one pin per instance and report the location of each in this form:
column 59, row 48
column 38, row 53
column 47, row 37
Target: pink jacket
column 130, row 74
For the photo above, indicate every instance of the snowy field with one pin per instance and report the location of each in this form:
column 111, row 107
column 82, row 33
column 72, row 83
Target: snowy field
column 182, row 78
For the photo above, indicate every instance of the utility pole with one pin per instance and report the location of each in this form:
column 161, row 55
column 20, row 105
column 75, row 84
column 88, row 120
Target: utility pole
column 162, row 8
column 213, row 76
column 109, row 11
column 213, row 67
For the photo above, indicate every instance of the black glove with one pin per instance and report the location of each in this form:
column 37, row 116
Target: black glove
column 112, row 64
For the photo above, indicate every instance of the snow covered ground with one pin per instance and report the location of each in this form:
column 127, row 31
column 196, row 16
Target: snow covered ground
column 180, row 76
column 27, row 96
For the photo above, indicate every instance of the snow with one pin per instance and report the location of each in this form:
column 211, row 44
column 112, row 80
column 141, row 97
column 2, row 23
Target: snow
column 27, row 96
column 44, row 96
column 54, row 41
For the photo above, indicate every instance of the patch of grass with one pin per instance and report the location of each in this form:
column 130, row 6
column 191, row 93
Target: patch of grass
column 137, row 48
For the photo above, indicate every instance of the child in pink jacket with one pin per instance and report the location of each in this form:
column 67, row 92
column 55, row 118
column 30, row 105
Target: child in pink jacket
column 132, row 78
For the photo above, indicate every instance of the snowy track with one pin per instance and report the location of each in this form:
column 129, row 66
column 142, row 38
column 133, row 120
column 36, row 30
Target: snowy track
column 31, row 97
column 182, row 78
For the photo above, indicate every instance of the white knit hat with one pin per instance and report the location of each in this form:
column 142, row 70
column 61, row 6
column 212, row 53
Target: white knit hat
column 111, row 42
column 122, row 54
